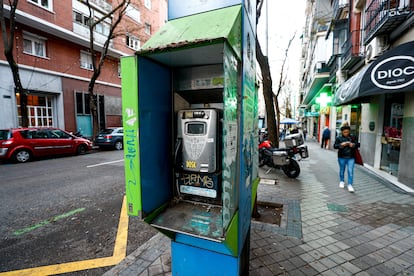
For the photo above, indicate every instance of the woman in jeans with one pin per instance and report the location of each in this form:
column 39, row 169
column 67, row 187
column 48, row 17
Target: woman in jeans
column 346, row 145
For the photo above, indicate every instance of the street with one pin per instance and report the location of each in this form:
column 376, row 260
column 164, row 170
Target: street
column 63, row 210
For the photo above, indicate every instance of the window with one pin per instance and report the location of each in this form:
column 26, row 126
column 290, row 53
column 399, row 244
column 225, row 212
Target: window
column 47, row 4
column 82, row 103
column 133, row 42
column 148, row 28
column 102, row 28
column 80, row 18
column 133, row 13
column 57, row 133
column 148, row 4
column 34, row 45
column 39, row 111
column 86, row 60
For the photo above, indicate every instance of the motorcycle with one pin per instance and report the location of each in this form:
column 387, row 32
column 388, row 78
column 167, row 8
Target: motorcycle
column 284, row 158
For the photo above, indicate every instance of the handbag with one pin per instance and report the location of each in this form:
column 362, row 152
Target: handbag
column 358, row 158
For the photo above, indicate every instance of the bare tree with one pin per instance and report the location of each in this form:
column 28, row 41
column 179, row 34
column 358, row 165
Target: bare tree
column 8, row 41
column 282, row 81
column 271, row 98
column 273, row 130
column 98, row 57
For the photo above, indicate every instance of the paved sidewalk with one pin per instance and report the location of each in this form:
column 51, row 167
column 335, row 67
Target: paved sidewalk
column 325, row 230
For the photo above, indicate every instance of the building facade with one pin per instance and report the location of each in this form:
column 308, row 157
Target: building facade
column 52, row 51
column 371, row 75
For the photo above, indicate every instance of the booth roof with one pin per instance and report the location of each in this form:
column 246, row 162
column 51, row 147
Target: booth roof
column 203, row 27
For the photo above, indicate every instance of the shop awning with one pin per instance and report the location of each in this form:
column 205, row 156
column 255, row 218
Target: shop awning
column 392, row 72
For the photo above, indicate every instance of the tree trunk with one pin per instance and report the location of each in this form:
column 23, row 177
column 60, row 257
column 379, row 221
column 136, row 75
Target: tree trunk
column 93, row 104
column 116, row 16
column 268, row 95
column 8, row 42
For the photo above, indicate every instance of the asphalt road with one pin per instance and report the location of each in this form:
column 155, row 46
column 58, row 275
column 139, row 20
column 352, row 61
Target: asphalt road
column 64, row 209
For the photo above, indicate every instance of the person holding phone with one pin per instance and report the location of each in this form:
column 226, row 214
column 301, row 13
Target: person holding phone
column 346, row 145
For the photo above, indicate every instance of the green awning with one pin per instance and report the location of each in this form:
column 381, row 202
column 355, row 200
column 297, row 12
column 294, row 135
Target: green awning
column 217, row 25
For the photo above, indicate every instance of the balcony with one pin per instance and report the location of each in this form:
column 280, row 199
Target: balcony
column 333, row 67
column 321, row 67
column 103, row 4
column 352, row 50
column 84, row 32
column 340, row 9
column 382, row 17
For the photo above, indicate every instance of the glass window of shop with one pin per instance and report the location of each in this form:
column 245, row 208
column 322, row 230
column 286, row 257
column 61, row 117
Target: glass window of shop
column 39, row 110
column 392, row 133
column 355, row 120
column 339, row 121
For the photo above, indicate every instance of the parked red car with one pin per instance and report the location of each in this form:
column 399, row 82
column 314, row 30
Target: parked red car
column 23, row 144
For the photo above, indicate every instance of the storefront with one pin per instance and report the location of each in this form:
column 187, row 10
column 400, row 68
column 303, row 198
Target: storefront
column 383, row 92
column 391, row 137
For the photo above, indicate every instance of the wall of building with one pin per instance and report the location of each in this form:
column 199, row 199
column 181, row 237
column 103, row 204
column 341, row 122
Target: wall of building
column 59, row 73
column 368, row 137
column 406, row 172
column 37, row 82
column 8, row 108
column 112, row 95
column 59, row 15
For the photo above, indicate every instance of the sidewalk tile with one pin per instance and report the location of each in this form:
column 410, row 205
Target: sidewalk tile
column 318, row 266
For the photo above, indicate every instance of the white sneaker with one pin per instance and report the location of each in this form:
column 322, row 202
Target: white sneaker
column 341, row 184
column 351, row 189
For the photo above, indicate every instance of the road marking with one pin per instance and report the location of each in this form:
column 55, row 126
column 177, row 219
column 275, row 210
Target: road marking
column 105, row 163
column 118, row 255
column 46, row 222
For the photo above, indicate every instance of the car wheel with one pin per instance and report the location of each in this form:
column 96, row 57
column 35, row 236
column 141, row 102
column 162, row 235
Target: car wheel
column 82, row 149
column 118, row 145
column 22, row 156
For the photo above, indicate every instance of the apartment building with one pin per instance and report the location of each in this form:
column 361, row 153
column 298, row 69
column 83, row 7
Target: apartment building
column 53, row 53
column 314, row 72
column 371, row 77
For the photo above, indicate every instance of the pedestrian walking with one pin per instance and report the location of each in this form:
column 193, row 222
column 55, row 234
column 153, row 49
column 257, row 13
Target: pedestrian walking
column 326, row 135
column 346, row 146
column 304, row 133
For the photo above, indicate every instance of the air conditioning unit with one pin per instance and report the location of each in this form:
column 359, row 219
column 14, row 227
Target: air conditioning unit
column 375, row 48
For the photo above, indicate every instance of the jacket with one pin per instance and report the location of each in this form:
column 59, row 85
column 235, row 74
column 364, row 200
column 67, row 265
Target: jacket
column 326, row 134
column 345, row 152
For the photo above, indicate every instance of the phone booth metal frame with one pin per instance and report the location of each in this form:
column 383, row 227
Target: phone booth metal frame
column 204, row 57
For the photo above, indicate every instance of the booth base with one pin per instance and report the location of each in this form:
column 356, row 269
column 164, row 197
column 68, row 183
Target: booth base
column 189, row 260
column 192, row 218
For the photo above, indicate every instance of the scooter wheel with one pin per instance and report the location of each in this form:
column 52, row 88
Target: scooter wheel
column 292, row 170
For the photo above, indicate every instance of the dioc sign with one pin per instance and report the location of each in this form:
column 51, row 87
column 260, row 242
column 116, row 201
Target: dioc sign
column 394, row 72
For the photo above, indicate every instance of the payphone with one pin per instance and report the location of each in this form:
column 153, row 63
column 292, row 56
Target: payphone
column 198, row 153
column 195, row 181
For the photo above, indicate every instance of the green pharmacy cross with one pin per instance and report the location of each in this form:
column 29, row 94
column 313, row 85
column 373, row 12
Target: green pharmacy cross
column 323, row 100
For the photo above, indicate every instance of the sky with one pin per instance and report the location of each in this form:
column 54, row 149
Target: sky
column 284, row 19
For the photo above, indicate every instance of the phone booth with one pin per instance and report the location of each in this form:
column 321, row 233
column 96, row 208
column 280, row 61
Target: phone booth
column 190, row 111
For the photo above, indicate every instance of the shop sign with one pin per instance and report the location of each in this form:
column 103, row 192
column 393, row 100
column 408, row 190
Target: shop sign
column 394, row 72
column 312, row 114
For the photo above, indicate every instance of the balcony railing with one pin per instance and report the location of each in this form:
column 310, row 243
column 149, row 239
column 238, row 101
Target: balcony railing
column 340, row 9
column 352, row 50
column 103, row 4
column 385, row 16
column 333, row 67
